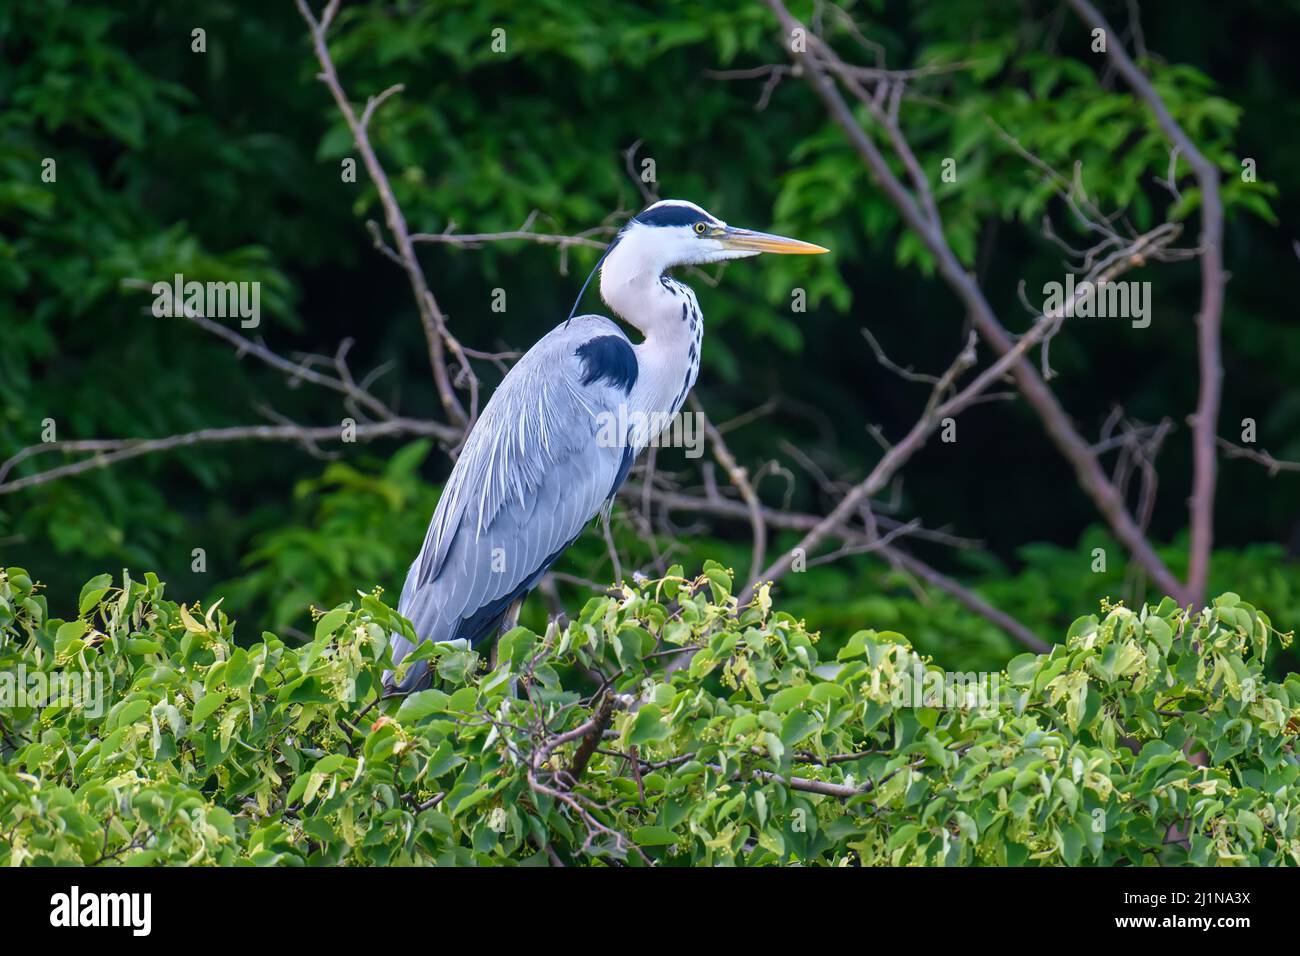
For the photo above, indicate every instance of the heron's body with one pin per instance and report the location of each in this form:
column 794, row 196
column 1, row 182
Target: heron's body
column 540, row 464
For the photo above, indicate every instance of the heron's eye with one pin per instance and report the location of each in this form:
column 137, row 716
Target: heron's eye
column 699, row 228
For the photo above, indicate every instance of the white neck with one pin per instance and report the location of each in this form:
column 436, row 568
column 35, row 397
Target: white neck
column 629, row 283
column 667, row 314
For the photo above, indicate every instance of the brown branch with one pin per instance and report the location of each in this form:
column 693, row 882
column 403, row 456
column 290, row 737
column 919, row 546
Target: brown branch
column 906, row 374
column 648, row 194
column 897, row 455
column 589, row 732
column 740, row 479
column 432, row 802
column 840, row 790
column 1210, row 317
column 1261, row 457
column 431, row 317
column 966, row 598
column 855, row 542
column 859, row 542
column 1091, row 477
column 826, row 788
column 591, row 738
column 374, row 102
column 106, row 452
column 111, row 451
column 296, row 371
column 720, row 507
column 471, row 240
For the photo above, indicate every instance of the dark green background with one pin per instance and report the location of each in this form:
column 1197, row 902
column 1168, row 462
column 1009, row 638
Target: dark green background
column 225, row 165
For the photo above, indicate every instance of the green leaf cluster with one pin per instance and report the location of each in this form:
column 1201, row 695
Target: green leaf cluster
column 666, row 724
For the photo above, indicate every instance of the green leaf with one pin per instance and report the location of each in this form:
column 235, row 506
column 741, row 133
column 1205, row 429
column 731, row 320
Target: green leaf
column 331, row 621
column 66, row 635
column 206, row 706
column 653, row 836
column 789, row 698
column 240, row 670
column 421, row 704
column 902, row 835
column 647, row 727
column 93, row 592
column 1022, row 669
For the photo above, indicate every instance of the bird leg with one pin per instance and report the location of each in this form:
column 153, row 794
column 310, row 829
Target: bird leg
column 508, row 624
column 511, row 620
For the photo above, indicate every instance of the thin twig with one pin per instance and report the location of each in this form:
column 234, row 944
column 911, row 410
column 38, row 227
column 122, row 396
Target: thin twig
column 740, row 479
column 111, row 451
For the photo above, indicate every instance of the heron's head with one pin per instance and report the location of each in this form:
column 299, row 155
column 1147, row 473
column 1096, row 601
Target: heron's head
column 673, row 232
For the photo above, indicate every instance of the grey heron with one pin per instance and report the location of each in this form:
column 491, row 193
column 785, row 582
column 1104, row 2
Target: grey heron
column 540, row 463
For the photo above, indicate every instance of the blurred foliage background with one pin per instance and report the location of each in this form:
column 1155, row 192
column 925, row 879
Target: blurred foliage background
column 226, row 165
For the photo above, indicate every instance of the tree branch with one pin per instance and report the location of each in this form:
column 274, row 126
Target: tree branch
column 1261, row 457
column 111, row 451
column 1091, row 477
column 431, row 317
column 740, row 479
column 590, row 740
column 966, row 598
column 897, row 455
column 1209, row 319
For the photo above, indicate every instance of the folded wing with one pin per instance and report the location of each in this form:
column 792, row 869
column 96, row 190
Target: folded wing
column 537, row 467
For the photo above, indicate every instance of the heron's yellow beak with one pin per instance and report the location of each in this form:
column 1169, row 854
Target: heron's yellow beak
column 749, row 241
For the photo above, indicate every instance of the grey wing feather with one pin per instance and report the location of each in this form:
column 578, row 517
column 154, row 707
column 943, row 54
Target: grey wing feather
column 532, row 474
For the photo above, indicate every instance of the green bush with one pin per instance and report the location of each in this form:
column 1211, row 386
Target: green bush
column 664, row 725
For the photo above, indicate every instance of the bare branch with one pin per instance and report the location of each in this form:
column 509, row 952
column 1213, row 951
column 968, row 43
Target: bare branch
column 740, row 479
column 591, row 738
column 898, row 454
column 648, row 195
column 1210, row 317
column 105, row 452
column 374, row 102
column 965, row 597
column 1057, row 423
column 1261, row 457
column 431, row 317
column 475, row 240
column 784, row 520
column 296, row 371
column 904, row 373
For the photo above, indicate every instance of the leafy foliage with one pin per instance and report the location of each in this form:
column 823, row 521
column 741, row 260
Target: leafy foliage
column 1149, row 735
